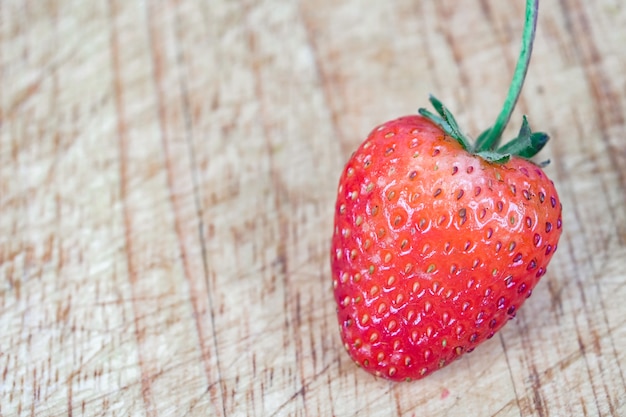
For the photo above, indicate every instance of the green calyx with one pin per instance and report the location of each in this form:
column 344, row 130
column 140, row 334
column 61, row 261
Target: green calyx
column 527, row 143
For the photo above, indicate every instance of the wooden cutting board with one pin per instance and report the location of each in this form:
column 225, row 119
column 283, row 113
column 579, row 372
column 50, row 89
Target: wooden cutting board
column 167, row 181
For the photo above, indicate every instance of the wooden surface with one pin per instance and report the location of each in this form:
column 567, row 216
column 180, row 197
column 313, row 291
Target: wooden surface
column 167, row 181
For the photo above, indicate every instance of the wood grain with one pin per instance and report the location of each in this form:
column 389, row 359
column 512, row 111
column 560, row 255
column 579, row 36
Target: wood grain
column 167, row 180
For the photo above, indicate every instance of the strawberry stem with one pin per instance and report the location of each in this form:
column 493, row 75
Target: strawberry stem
column 527, row 143
column 490, row 139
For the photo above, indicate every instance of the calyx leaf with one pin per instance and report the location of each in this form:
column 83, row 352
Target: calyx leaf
column 526, row 145
column 446, row 122
column 495, row 157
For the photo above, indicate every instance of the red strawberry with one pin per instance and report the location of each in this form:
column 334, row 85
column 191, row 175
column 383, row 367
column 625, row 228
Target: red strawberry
column 438, row 242
column 434, row 248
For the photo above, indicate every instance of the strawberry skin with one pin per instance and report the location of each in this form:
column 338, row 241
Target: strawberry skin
column 434, row 248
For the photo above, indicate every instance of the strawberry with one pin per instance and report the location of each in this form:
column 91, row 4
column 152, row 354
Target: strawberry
column 437, row 241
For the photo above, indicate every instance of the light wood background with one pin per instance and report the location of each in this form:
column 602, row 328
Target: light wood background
column 167, row 181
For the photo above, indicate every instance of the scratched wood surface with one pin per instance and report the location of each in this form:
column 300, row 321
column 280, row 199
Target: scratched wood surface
column 167, row 180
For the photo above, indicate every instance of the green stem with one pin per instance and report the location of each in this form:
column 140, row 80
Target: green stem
column 490, row 139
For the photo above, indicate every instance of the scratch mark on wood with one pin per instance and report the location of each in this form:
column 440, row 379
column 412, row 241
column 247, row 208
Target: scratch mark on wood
column 157, row 65
column 538, row 401
column 69, row 395
column 281, row 198
column 445, row 13
column 128, row 243
column 325, row 81
column 508, row 367
column 609, row 111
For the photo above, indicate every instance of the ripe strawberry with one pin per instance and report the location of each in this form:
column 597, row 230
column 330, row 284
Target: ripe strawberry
column 438, row 241
column 434, row 248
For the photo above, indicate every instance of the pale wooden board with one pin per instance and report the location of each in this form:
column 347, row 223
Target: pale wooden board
column 167, row 181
